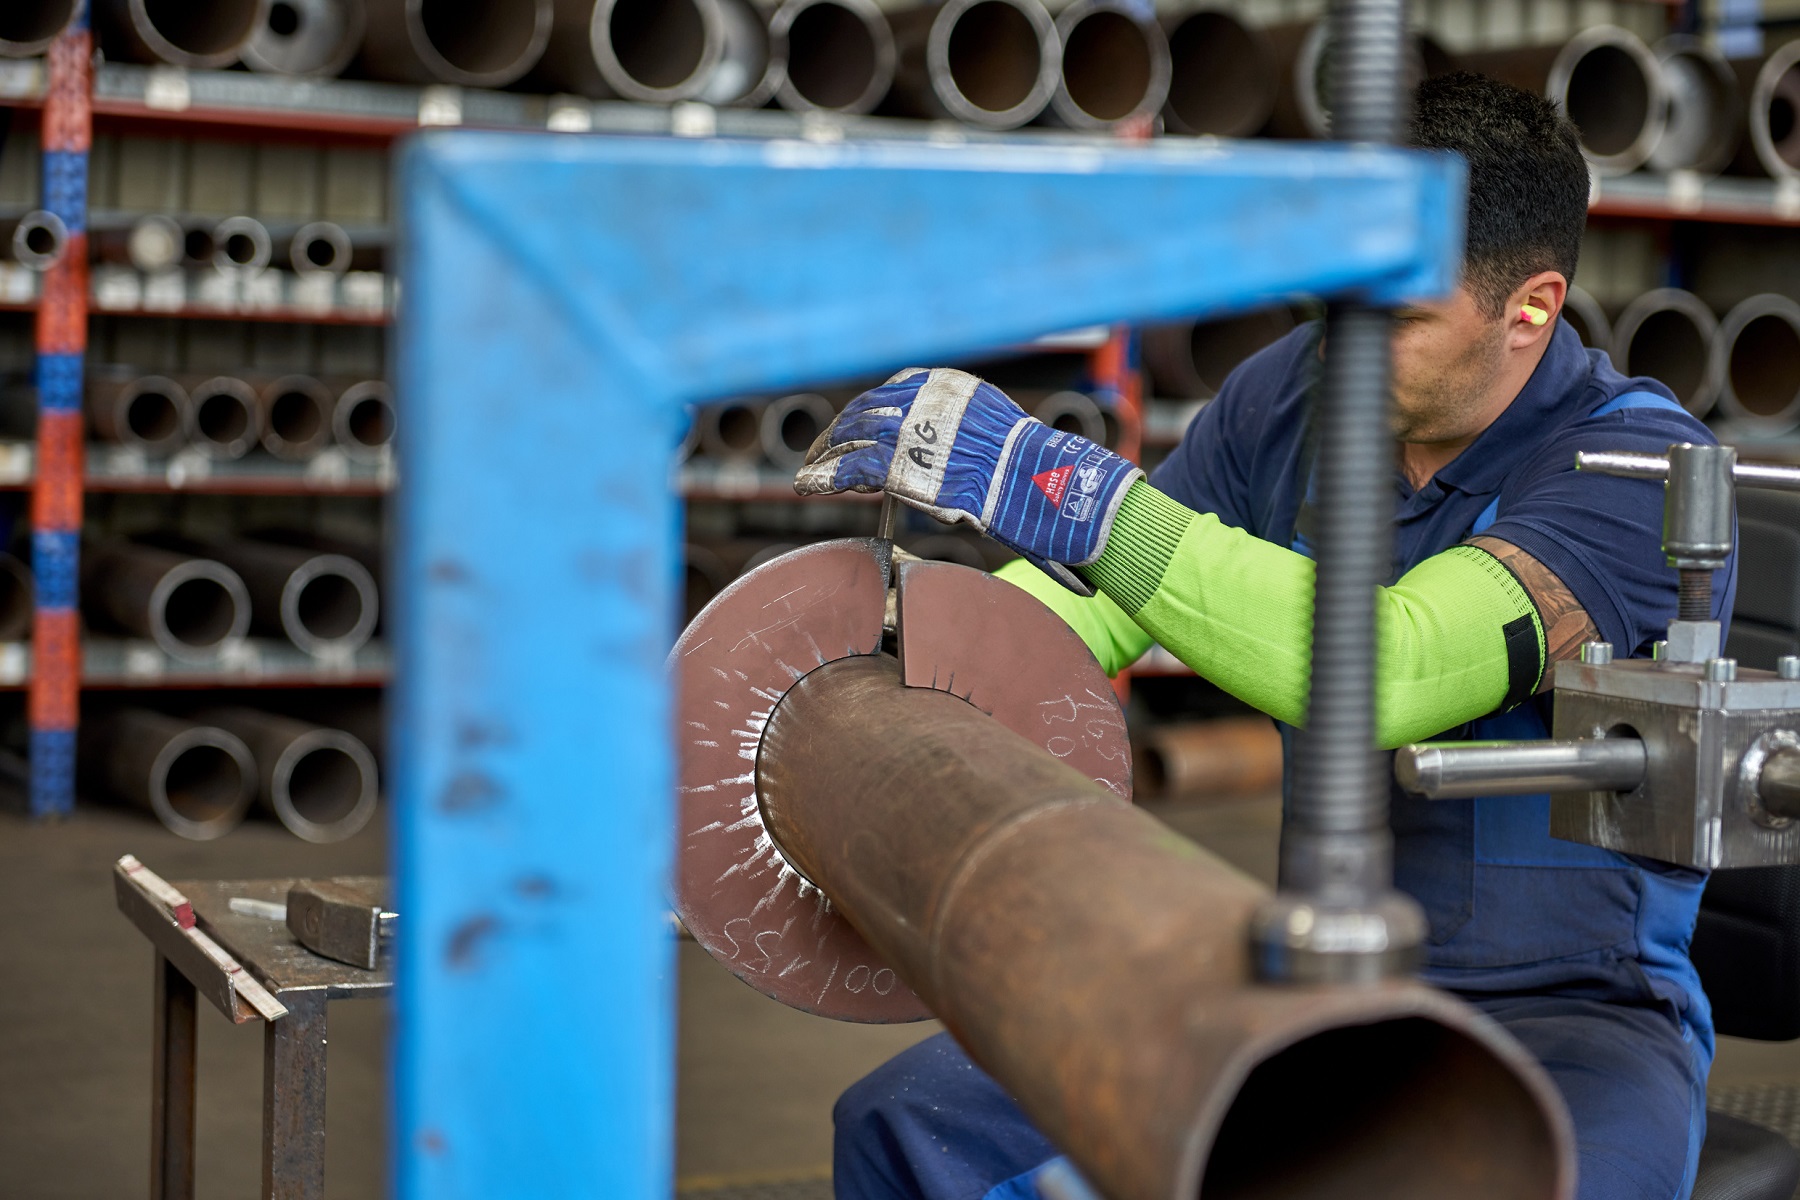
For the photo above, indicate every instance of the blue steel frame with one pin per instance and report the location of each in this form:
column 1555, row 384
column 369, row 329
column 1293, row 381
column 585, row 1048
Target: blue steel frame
column 564, row 299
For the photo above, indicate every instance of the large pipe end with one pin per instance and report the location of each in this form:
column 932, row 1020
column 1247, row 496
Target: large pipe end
column 362, row 422
column 199, row 34
column 791, row 425
column 993, row 63
column 1759, row 362
column 38, row 240
column 1668, row 334
column 149, row 412
column 306, row 37
column 324, row 786
column 202, row 783
column 227, row 420
column 329, row 605
column 320, row 248
column 478, row 43
column 1610, row 85
column 1775, row 113
column 1705, row 122
column 297, row 412
column 732, row 431
column 241, row 246
column 1587, row 319
column 1115, row 65
column 832, row 55
column 197, row 607
column 1223, row 76
column 657, row 51
column 27, row 27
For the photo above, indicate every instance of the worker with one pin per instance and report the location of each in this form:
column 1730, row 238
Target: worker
column 1506, row 561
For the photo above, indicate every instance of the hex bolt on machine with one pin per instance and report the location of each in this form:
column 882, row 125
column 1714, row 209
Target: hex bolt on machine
column 1683, row 757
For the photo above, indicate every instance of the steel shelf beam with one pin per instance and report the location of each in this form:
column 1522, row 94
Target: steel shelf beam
column 566, row 298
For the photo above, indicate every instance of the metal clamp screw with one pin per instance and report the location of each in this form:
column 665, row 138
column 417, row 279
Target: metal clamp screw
column 1721, row 670
column 1596, row 654
column 1788, row 666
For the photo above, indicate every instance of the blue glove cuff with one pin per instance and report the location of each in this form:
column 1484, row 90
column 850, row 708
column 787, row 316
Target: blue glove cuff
column 1055, row 494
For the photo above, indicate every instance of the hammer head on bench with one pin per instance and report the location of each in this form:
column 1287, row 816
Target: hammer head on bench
column 344, row 918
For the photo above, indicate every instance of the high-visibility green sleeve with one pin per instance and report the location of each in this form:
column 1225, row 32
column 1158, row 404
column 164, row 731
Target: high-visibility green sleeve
column 1457, row 637
column 1115, row 638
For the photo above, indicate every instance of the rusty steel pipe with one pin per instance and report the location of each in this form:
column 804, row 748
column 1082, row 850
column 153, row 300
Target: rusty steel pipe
column 362, row 420
column 36, row 240
column 188, row 606
column 1608, row 82
column 150, row 412
column 201, row 34
column 790, row 425
column 27, row 27
column 325, row 604
column 1668, row 334
column 1115, row 65
column 296, row 417
column 1096, row 965
column 306, row 37
column 475, row 43
column 199, row 780
column 831, row 55
column 1758, row 364
column 1189, row 360
column 320, row 783
column 227, row 417
column 1222, row 75
column 1219, row 757
column 993, row 64
column 1773, row 116
column 1587, row 319
column 1706, row 110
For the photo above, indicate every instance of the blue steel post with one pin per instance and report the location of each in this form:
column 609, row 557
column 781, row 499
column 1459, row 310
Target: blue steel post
column 565, row 297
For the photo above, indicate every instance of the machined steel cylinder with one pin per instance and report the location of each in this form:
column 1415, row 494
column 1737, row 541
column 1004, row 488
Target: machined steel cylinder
column 27, row 27
column 1520, row 768
column 227, row 416
column 306, row 37
column 1668, row 334
column 732, row 431
column 1097, row 966
column 326, row 604
column 1774, row 112
column 150, row 412
column 17, row 593
column 993, row 64
column 475, row 43
column 1115, row 65
column 150, row 243
column 36, row 240
column 1223, row 74
column 202, row 34
column 831, row 55
column 199, row 780
column 320, row 783
column 189, row 606
column 362, row 420
column 1606, row 79
column 1189, row 360
column 1587, row 319
column 791, row 424
column 241, row 246
column 1706, row 109
column 1758, row 364
column 1230, row 755
column 296, row 412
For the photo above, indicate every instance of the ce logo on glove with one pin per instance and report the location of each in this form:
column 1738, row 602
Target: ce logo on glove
column 951, row 445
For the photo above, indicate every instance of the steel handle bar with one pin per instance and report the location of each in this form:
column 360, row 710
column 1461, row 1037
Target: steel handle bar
column 1654, row 466
column 1458, row 770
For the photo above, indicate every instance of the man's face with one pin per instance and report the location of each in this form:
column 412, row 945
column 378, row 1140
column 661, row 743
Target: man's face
column 1447, row 356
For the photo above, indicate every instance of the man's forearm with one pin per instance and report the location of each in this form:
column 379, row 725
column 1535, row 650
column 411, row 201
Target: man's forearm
column 1458, row 637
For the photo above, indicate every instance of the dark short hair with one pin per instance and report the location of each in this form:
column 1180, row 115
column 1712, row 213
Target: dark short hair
column 1528, row 184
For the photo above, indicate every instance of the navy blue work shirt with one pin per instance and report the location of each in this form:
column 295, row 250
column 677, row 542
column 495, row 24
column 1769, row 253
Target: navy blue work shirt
column 1511, row 909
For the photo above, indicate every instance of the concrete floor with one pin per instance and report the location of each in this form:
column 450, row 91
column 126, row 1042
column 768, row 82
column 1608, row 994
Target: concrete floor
column 756, row 1080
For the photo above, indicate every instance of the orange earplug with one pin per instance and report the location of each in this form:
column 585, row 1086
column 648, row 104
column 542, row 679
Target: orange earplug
column 1533, row 314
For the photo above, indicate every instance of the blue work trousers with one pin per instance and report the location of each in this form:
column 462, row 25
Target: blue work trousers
column 931, row 1125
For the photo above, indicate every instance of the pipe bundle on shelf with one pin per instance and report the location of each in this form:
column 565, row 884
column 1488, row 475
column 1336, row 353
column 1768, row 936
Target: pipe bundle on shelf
column 993, row 64
column 189, row 606
column 198, row 779
column 1668, row 334
column 227, row 418
column 326, row 604
column 1229, row 756
column 831, row 55
column 1758, row 364
column 320, row 783
column 35, row 241
column 151, row 413
column 1608, row 82
column 1189, row 360
column 199, row 34
column 27, row 27
column 477, row 43
column 306, row 37
column 1115, row 65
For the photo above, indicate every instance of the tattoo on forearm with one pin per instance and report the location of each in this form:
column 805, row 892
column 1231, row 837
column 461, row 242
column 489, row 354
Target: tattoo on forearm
column 1566, row 623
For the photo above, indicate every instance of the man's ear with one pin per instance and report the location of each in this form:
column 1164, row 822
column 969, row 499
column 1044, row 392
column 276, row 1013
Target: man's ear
column 1532, row 309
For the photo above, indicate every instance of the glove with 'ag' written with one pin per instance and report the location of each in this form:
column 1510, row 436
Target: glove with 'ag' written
column 946, row 443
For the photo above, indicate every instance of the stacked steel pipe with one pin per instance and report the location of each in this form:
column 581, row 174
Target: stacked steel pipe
column 189, row 606
column 320, row 783
column 481, row 43
column 27, row 27
column 1189, row 360
column 1223, row 75
column 35, row 241
column 1115, row 65
column 306, row 37
column 193, row 33
column 293, row 417
column 993, row 64
column 831, row 55
column 1669, row 334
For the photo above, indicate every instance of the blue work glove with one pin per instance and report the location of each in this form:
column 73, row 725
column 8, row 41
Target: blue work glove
column 950, row 445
